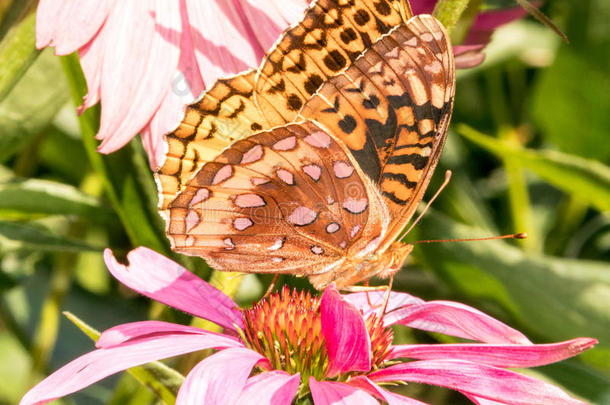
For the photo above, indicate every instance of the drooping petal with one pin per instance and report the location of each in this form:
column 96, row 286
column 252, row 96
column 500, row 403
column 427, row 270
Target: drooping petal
column 185, row 87
column 91, row 61
column 372, row 301
column 222, row 43
column 347, row 340
column 270, row 388
column 480, row 380
column 129, row 332
column 267, row 19
column 467, row 56
column 163, row 280
column 455, row 319
column 101, row 363
column 69, row 24
column 391, row 398
column 140, row 60
column 482, row 401
column 497, row 355
column 218, row 379
column 337, row 393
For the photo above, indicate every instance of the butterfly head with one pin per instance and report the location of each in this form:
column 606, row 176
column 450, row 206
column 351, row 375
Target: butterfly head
column 354, row 270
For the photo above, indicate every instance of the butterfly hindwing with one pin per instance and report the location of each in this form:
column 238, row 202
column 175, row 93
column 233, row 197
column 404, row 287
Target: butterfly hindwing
column 292, row 198
column 391, row 108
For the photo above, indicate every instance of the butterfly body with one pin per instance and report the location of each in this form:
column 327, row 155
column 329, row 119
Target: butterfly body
column 326, row 180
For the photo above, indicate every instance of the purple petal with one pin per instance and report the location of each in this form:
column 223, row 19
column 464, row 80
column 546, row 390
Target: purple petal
column 337, row 393
column 455, row 319
column 140, row 60
column 163, row 280
column 69, row 25
column 101, row 363
column 129, row 332
column 484, row 25
column 497, row 355
column 347, row 340
column 391, row 398
column 482, row 381
column 270, row 388
column 218, row 379
column 372, row 301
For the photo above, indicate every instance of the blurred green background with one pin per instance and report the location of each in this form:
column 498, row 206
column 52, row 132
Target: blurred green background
column 529, row 147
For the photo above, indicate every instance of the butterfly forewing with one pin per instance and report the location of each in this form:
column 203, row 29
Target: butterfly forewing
column 292, row 197
column 332, row 34
column 391, row 108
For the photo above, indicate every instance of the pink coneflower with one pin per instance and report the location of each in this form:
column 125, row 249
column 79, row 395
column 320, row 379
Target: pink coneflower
column 292, row 345
column 145, row 60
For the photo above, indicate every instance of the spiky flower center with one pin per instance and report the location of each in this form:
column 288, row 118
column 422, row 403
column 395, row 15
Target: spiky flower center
column 286, row 328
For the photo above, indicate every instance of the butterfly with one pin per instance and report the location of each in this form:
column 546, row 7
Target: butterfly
column 313, row 164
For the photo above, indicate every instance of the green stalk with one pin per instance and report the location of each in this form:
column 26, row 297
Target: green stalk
column 448, row 12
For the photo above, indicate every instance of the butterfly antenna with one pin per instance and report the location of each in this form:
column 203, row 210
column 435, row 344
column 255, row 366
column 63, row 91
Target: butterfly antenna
column 445, row 183
column 521, row 235
column 272, row 285
column 387, row 299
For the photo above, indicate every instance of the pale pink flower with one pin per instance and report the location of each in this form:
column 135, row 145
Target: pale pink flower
column 146, row 59
column 333, row 348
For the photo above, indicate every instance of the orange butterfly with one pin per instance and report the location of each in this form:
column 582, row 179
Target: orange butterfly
column 313, row 164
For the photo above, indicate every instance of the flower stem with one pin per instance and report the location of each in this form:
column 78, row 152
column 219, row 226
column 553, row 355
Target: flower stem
column 448, row 12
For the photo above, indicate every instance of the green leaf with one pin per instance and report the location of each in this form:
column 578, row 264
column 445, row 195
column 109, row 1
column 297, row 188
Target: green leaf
column 587, row 180
column 557, row 298
column 50, row 198
column 32, row 104
column 161, row 379
column 17, row 50
column 15, row 235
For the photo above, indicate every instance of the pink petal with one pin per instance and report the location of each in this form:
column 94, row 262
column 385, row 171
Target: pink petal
column 218, row 379
column 270, row 388
column 372, row 301
column 347, row 340
column 101, row 363
column 185, row 87
column 69, row 24
column 129, row 332
column 497, row 355
column 391, row 398
column 222, row 43
column 140, row 59
column 452, row 318
column 467, row 56
column 163, row 280
column 482, row 401
column 483, row 381
column 267, row 19
column 337, row 393
column 91, row 61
